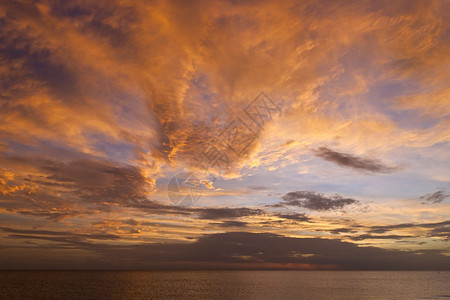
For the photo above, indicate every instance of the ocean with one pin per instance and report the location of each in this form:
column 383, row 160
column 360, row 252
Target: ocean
column 224, row 285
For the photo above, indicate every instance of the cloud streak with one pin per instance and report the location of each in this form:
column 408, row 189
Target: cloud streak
column 315, row 201
column 436, row 197
column 353, row 162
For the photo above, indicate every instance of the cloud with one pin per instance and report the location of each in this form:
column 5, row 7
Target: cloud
column 409, row 231
column 183, row 72
column 295, row 217
column 343, row 230
column 443, row 231
column 314, row 201
column 51, row 215
column 101, row 181
column 379, row 237
column 165, row 100
column 202, row 213
column 232, row 224
column 21, row 233
column 39, row 186
column 386, row 228
column 436, row 197
column 99, row 100
column 228, row 213
column 242, row 250
column 354, row 162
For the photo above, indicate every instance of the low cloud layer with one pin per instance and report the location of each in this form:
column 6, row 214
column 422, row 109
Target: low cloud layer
column 240, row 250
column 438, row 231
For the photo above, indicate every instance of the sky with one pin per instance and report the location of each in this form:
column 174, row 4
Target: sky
column 303, row 135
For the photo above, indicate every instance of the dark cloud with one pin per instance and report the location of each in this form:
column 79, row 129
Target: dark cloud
column 258, row 188
column 206, row 213
column 413, row 230
column 436, row 197
column 32, row 233
column 100, row 181
column 232, row 224
column 154, row 79
column 52, row 216
column 131, row 222
column 354, row 162
column 342, row 230
column 295, row 217
column 228, row 213
column 441, row 232
column 57, row 189
column 430, row 230
column 240, row 250
column 153, row 207
column 92, row 183
column 90, row 180
column 315, row 201
column 379, row 237
column 386, row 228
column 383, row 229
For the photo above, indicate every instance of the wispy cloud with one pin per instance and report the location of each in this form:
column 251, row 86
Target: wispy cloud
column 295, row 217
column 436, row 197
column 314, row 201
column 354, row 162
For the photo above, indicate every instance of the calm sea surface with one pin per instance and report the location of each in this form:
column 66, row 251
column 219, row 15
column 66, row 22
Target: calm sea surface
column 223, row 285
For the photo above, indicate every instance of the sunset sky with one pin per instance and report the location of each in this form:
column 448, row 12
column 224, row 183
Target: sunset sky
column 316, row 134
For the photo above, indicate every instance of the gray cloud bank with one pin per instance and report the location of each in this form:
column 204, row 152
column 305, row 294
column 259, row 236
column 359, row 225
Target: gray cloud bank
column 221, row 251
